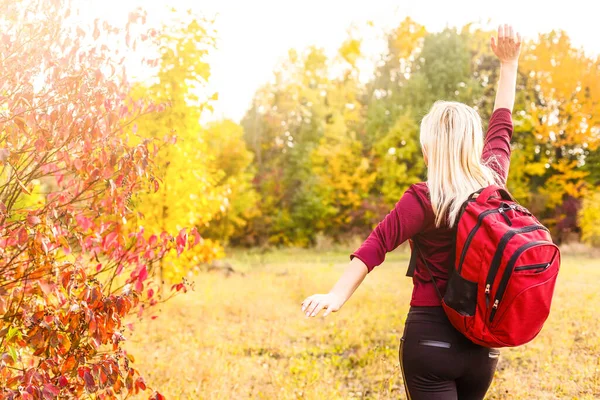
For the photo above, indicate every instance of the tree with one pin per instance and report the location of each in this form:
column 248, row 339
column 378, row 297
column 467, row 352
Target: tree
column 588, row 218
column 282, row 129
column 191, row 194
column 231, row 157
column 71, row 265
column 564, row 119
column 343, row 174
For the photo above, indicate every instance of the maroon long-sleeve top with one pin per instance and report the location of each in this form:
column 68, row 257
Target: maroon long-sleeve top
column 413, row 218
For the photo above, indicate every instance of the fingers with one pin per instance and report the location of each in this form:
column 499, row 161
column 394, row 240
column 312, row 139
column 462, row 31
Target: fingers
column 519, row 39
column 306, row 303
column 317, row 309
column 311, row 307
column 493, row 44
column 500, row 32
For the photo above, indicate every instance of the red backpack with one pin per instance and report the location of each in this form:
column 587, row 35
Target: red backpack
column 500, row 288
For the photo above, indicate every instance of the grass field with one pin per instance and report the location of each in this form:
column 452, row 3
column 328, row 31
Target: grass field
column 243, row 336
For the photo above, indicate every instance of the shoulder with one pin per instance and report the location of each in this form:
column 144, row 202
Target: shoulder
column 420, row 191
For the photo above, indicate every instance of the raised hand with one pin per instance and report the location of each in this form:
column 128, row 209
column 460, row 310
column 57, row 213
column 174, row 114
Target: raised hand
column 508, row 45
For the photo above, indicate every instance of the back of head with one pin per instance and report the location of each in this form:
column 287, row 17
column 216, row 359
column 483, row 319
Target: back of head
column 452, row 141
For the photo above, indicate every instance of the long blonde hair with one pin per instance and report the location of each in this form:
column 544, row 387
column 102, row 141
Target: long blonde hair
column 452, row 141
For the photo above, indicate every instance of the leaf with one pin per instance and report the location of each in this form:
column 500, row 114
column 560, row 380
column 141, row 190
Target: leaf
column 109, row 240
column 33, row 220
column 156, row 396
column 90, row 385
column 84, row 222
column 20, row 122
column 50, row 391
column 13, row 353
column 63, row 381
column 140, row 384
column 12, row 332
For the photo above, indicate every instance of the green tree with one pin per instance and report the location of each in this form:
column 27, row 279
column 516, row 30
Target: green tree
column 231, row 158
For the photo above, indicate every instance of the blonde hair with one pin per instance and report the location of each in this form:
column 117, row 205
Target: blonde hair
column 452, row 140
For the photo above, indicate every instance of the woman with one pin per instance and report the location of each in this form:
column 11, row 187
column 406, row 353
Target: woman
column 437, row 361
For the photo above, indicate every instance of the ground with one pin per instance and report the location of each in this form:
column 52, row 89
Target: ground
column 243, row 335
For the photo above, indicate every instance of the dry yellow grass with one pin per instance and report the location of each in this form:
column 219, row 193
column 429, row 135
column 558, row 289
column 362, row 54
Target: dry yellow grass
column 243, row 336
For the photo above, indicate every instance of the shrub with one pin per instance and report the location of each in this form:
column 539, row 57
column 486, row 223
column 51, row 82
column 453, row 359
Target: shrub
column 71, row 269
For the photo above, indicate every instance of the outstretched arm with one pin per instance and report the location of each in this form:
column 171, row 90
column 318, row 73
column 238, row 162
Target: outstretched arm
column 403, row 222
column 507, row 48
column 344, row 288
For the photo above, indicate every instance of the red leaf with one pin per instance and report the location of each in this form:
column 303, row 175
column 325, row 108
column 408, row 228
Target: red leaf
column 139, row 383
column 63, row 381
column 139, row 285
column 40, row 145
column 109, row 240
column 156, row 396
column 143, row 275
column 84, row 222
column 50, row 391
column 33, row 220
column 181, row 241
column 90, row 385
column 150, row 293
column 197, row 237
column 23, row 236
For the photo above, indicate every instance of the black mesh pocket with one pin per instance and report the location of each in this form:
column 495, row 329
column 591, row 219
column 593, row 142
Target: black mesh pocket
column 461, row 294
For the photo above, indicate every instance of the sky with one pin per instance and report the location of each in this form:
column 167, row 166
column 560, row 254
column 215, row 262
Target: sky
column 254, row 36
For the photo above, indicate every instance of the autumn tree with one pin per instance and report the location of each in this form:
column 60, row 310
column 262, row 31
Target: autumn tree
column 72, row 266
column 333, row 154
column 191, row 194
column 231, row 157
column 563, row 120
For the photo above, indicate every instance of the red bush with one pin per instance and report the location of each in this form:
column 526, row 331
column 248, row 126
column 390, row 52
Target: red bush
column 71, row 269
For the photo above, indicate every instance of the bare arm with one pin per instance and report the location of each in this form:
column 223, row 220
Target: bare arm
column 350, row 280
column 507, row 48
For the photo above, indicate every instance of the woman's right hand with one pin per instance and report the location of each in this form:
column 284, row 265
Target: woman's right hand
column 508, row 45
column 330, row 302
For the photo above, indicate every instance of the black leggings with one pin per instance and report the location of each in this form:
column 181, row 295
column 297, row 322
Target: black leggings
column 439, row 363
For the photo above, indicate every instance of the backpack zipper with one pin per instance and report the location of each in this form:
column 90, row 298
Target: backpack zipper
column 498, row 256
column 532, row 266
column 508, row 272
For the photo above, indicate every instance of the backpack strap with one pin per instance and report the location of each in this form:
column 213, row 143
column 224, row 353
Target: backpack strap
column 415, row 254
column 412, row 264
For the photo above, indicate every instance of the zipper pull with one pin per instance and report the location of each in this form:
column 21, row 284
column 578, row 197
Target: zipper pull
column 487, row 289
column 487, row 296
column 496, row 303
column 501, row 211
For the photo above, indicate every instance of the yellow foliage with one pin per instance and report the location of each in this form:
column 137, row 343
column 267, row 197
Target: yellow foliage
column 188, row 195
column 589, row 215
column 191, row 260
